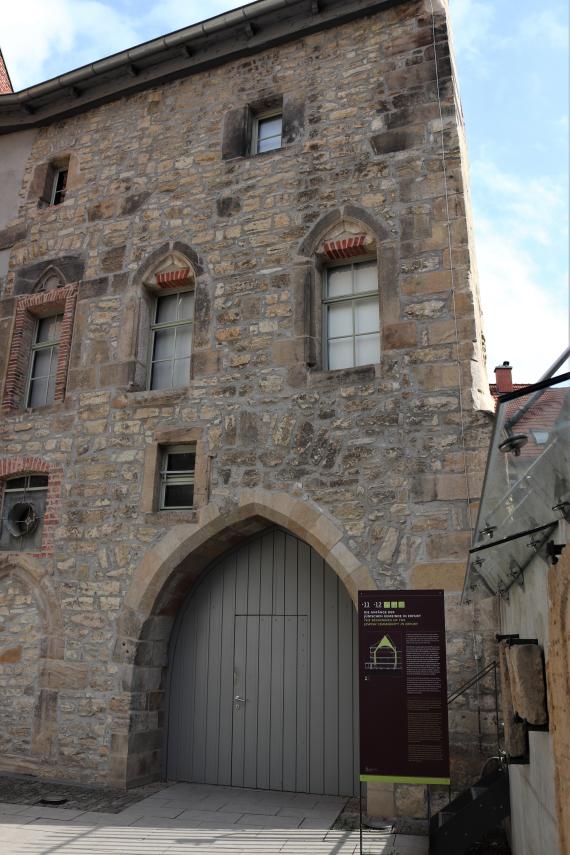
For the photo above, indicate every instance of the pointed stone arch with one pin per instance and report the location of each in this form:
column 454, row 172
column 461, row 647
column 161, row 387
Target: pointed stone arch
column 175, row 265
column 332, row 222
column 174, row 253
column 49, row 280
column 28, row 572
column 161, row 583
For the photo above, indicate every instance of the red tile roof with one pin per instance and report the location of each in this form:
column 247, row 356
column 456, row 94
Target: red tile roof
column 5, row 82
column 541, row 417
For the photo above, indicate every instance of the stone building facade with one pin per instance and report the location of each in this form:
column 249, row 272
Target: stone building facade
column 375, row 467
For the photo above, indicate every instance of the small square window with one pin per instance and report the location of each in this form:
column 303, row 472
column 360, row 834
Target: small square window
column 59, row 187
column 267, row 132
column 177, row 471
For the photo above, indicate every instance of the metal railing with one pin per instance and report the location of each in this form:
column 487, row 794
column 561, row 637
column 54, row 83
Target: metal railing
column 474, row 681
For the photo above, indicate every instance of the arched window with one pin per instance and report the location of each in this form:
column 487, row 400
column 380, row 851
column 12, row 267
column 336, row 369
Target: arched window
column 169, row 292
column 345, row 303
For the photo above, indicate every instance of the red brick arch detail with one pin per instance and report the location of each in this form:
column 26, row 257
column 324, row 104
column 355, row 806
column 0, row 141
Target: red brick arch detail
column 11, row 467
column 28, row 308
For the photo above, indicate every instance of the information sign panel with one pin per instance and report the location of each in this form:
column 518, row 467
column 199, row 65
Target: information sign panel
column 403, row 687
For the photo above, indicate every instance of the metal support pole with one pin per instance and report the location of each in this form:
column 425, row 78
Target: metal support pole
column 361, row 818
column 497, row 709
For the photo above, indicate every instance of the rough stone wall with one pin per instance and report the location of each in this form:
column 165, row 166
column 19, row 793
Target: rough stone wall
column 558, row 674
column 392, row 453
column 20, row 639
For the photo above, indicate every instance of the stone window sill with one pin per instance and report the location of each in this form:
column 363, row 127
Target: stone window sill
column 188, row 515
column 29, row 412
column 362, row 373
column 156, row 396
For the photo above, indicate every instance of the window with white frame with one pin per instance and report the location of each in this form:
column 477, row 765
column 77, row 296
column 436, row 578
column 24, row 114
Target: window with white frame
column 267, row 132
column 43, row 364
column 171, row 344
column 351, row 315
column 177, row 470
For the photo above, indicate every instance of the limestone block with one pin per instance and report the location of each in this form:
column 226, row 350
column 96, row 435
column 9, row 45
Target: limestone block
column 526, row 673
column 400, row 335
column 515, row 732
column 410, row 800
column 380, row 802
column 64, row 675
column 447, row 575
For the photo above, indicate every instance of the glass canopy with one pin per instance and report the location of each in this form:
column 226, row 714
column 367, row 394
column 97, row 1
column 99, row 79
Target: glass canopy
column 526, row 489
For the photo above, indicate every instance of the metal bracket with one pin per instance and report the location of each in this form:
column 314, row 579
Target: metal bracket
column 503, row 592
column 554, row 550
column 563, row 508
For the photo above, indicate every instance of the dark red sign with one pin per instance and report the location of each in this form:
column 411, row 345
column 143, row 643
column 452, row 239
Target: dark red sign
column 403, row 687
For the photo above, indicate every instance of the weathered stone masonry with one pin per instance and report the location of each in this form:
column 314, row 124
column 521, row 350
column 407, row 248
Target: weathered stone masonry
column 376, row 467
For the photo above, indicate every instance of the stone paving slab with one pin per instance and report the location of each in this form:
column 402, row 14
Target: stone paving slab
column 196, row 819
column 29, row 791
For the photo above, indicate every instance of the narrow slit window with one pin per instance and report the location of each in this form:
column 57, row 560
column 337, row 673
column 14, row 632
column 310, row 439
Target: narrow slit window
column 267, row 133
column 352, row 316
column 172, row 340
column 177, row 477
column 59, row 187
column 43, row 365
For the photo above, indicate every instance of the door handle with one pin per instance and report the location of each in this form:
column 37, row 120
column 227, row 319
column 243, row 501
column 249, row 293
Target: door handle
column 240, row 700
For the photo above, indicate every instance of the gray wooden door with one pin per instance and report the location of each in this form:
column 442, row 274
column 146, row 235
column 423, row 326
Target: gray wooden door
column 262, row 688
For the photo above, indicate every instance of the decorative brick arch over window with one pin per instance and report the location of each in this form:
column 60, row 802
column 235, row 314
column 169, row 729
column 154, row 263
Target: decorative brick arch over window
column 174, row 267
column 11, row 467
column 350, row 236
column 59, row 300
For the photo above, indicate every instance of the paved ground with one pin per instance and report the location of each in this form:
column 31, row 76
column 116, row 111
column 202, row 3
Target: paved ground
column 190, row 819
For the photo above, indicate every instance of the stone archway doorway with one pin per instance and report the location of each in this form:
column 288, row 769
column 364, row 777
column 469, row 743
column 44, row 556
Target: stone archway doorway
column 262, row 673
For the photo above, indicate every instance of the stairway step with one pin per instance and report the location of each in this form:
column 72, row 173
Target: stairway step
column 478, row 791
column 474, row 812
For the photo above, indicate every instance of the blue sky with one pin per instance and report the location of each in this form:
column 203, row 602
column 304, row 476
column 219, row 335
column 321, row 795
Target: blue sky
column 512, row 58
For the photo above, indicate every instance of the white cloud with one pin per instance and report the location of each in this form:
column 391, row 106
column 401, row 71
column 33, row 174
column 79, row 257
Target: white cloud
column 519, row 223
column 522, row 320
column 544, row 26
column 41, row 39
column 532, row 208
column 471, row 23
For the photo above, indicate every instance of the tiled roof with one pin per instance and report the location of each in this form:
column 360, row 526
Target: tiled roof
column 516, row 387
column 539, row 421
column 5, row 82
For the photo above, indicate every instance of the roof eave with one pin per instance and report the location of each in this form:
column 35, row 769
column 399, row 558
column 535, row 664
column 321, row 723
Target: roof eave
column 241, row 32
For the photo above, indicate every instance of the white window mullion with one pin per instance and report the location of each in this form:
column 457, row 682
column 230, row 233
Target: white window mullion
column 345, row 292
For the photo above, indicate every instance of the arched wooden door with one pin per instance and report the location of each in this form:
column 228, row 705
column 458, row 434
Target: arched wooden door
column 262, row 688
